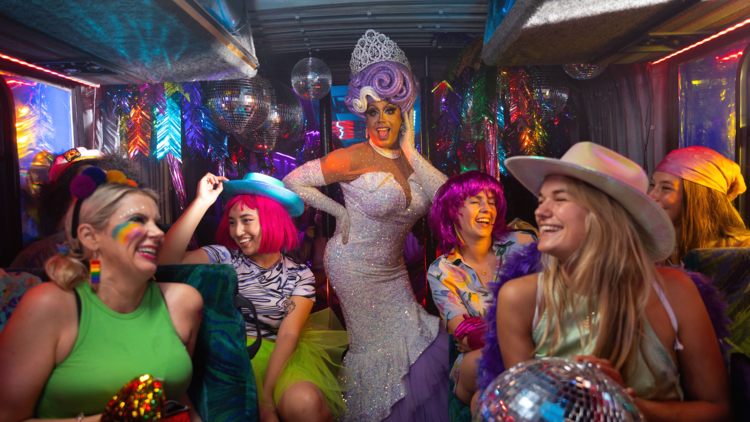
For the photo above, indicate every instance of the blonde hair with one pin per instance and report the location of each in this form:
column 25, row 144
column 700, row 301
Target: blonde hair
column 613, row 272
column 68, row 270
column 709, row 220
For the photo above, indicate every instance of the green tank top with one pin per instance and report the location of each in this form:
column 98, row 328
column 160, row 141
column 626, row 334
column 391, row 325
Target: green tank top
column 111, row 349
column 662, row 384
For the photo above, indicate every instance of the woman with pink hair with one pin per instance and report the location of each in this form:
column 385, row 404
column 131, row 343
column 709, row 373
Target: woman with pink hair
column 292, row 366
column 397, row 364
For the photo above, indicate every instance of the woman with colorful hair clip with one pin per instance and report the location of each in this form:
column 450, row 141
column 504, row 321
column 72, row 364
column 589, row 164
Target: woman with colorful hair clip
column 696, row 187
column 599, row 296
column 73, row 343
column 299, row 351
column 397, row 363
column 468, row 220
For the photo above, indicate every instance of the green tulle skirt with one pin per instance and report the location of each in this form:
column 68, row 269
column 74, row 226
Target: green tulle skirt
column 317, row 359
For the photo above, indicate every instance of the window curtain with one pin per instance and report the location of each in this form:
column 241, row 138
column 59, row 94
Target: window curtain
column 625, row 110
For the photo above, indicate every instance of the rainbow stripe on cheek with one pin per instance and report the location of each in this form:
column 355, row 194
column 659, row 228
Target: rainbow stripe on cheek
column 126, row 232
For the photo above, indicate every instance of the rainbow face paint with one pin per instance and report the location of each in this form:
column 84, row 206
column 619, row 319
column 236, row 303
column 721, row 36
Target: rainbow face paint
column 126, row 232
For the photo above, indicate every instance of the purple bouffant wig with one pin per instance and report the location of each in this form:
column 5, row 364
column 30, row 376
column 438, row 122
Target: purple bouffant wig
column 450, row 198
column 390, row 81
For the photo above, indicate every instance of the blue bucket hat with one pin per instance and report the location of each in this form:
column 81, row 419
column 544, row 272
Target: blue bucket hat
column 266, row 186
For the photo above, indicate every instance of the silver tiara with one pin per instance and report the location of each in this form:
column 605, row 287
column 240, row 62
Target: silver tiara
column 375, row 47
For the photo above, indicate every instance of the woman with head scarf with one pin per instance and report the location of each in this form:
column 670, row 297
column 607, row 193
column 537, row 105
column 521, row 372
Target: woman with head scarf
column 695, row 186
column 600, row 297
column 397, row 363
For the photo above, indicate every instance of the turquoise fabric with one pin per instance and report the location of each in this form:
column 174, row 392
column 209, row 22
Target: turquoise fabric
column 730, row 269
column 223, row 386
column 457, row 411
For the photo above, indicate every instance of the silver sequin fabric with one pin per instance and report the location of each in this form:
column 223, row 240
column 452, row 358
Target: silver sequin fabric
column 388, row 329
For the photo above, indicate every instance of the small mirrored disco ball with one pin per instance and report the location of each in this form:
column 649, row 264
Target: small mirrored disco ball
column 238, row 105
column 285, row 122
column 551, row 90
column 584, row 71
column 555, row 390
column 311, row 79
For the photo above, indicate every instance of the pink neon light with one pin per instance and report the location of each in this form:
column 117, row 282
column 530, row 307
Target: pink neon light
column 21, row 62
column 13, row 81
column 712, row 37
column 729, row 57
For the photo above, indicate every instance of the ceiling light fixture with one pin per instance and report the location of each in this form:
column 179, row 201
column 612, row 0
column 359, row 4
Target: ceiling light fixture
column 712, row 37
column 29, row 65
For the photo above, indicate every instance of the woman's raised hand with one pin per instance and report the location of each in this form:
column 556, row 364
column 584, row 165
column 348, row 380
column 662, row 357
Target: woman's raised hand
column 209, row 188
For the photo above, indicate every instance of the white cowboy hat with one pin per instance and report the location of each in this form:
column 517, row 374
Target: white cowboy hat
column 611, row 173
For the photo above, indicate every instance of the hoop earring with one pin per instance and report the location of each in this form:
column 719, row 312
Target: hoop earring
column 95, row 268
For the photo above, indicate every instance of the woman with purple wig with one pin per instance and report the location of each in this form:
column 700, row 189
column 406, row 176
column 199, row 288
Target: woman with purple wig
column 468, row 219
column 397, row 364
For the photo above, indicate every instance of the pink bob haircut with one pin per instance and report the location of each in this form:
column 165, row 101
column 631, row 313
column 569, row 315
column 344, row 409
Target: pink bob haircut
column 450, row 198
column 278, row 232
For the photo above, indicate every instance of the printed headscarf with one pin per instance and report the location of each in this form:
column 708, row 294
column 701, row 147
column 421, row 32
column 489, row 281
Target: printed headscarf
column 705, row 167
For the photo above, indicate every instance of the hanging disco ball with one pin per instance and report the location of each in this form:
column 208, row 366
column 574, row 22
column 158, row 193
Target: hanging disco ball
column 584, row 71
column 555, row 389
column 285, row 122
column 238, row 105
column 551, row 90
column 311, row 79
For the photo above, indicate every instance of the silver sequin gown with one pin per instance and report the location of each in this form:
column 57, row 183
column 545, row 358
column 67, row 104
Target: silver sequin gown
column 388, row 329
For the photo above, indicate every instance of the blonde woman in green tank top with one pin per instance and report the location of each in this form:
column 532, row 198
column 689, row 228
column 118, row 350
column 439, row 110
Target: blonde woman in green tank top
column 600, row 297
column 73, row 343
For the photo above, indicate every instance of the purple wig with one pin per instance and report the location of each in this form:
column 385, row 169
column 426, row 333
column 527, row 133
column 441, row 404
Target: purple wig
column 450, row 198
column 391, row 81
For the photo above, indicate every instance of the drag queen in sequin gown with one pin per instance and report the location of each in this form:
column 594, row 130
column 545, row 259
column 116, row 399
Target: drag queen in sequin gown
column 397, row 364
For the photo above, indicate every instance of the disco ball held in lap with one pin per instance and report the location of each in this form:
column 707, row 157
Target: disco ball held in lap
column 555, row 389
column 238, row 105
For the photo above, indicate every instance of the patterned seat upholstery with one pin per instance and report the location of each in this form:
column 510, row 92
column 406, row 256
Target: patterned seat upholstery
column 13, row 284
column 730, row 270
column 223, row 386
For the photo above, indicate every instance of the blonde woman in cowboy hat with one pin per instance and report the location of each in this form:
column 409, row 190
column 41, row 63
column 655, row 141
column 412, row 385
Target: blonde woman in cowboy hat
column 293, row 366
column 600, row 297
column 695, row 186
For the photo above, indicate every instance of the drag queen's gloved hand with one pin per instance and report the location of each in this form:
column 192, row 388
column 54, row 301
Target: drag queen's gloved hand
column 301, row 182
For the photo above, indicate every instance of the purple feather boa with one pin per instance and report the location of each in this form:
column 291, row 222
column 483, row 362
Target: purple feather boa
column 528, row 261
column 524, row 261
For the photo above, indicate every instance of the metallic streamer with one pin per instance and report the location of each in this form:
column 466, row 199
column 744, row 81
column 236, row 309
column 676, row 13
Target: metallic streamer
column 492, row 164
column 168, row 124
